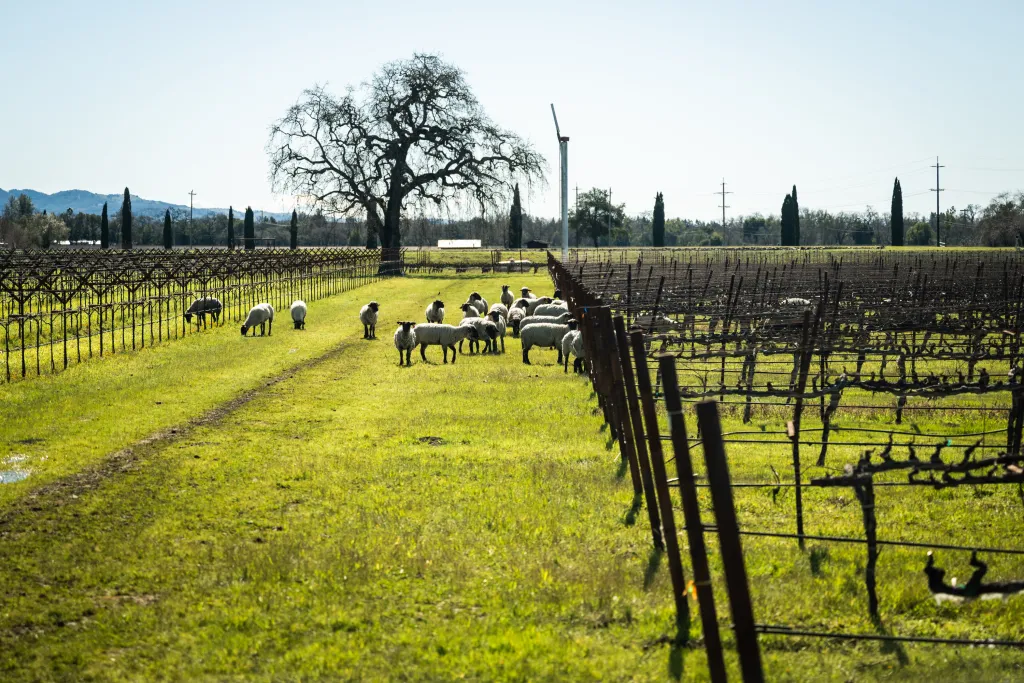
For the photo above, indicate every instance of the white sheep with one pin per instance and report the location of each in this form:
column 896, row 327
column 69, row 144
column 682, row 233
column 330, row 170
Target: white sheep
column 795, row 301
column 551, row 309
column 298, row 311
column 445, row 336
column 405, row 340
column 532, row 304
column 479, row 302
column 469, row 310
column 368, row 317
column 502, row 310
column 506, row 296
column 526, row 293
column 499, row 322
column 485, row 330
column 435, row 312
column 207, row 305
column 544, row 335
column 572, row 343
column 548, row 319
column 515, row 318
column 260, row 314
column 655, row 323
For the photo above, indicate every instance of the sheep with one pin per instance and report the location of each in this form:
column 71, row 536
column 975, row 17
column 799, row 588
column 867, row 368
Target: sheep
column 506, row 296
column 795, row 301
column 499, row 322
column 485, row 329
column 405, row 340
column 298, row 311
column 501, row 309
column 655, row 323
column 435, row 312
column 260, row 314
column 445, row 336
column 368, row 316
column 539, row 320
column 544, row 335
column 551, row 309
column 201, row 307
column 532, row 304
column 526, row 293
column 469, row 310
column 572, row 343
column 479, row 302
column 515, row 318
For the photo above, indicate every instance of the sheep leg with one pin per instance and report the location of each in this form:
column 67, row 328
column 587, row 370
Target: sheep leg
column 565, row 367
column 263, row 329
column 460, row 345
column 503, row 345
column 366, row 331
column 560, row 356
column 270, row 327
column 408, row 358
column 577, row 365
column 526, row 355
column 453, row 355
column 423, row 352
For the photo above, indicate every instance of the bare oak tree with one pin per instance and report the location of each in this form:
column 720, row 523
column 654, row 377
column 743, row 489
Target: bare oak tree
column 414, row 134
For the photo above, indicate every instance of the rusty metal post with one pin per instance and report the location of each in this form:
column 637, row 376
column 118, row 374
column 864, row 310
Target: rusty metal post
column 620, row 415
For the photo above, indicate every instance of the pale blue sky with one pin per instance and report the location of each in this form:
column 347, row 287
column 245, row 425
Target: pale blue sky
column 835, row 97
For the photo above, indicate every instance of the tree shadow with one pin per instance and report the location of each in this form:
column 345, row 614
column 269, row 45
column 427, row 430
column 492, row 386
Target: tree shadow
column 630, row 518
column 817, row 557
column 653, row 563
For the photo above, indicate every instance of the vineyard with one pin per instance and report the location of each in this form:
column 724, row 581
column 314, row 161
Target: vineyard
column 870, row 406
column 62, row 307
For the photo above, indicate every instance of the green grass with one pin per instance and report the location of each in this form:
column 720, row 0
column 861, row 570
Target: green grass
column 358, row 520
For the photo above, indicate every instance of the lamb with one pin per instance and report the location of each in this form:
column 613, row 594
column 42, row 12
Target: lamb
column 201, row 307
column 539, row 320
column 405, row 340
column 515, row 318
column 506, row 296
column 445, row 336
column 479, row 302
column 485, row 329
column 260, row 314
column 368, row 316
column 572, row 343
column 298, row 311
column 435, row 312
column 551, row 309
column 499, row 322
column 501, row 309
column 544, row 335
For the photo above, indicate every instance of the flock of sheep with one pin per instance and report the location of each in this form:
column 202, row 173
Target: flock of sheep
column 543, row 322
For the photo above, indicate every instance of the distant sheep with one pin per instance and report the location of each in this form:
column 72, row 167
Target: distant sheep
column 499, row 322
column 572, row 343
column 368, row 317
column 445, row 336
column 515, row 318
column 506, row 296
column 435, row 312
column 795, row 301
column 405, row 340
column 479, row 302
column 207, row 305
column 298, row 311
column 525, row 293
column 262, row 315
column 544, row 335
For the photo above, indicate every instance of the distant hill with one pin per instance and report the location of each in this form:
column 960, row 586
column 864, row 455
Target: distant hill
column 91, row 202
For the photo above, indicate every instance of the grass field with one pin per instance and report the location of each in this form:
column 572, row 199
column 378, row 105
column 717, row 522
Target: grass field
column 299, row 507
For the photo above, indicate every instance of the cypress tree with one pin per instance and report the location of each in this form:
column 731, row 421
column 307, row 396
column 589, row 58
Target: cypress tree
column 515, row 221
column 126, row 221
column 168, row 233
column 897, row 214
column 658, row 224
column 293, row 230
column 231, row 227
column 104, row 229
column 249, row 229
column 795, row 208
column 787, row 221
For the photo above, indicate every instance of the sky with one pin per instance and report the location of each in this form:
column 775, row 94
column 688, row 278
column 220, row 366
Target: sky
column 672, row 97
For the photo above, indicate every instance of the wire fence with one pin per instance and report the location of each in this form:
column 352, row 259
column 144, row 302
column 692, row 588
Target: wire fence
column 63, row 307
column 823, row 357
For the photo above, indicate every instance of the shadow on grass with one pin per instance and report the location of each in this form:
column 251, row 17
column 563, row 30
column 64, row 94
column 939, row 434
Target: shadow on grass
column 817, row 557
column 888, row 646
column 623, row 468
column 653, row 563
column 630, row 518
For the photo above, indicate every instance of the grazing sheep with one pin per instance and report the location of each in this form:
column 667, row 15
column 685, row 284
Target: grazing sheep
column 405, row 340
column 260, row 314
column 506, row 296
column 544, row 335
column 435, row 312
column 485, row 330
column 572, row 343
column 515, row 318
column 795, row 301
column 526, row 293
column 298, row 311
column 479, row 302
column 368, row 317
column 445, row 336
column 501, row 309
column 551, row 309
column 540, row 320
column 499, row 322
column 207, row 305
column 656, row 323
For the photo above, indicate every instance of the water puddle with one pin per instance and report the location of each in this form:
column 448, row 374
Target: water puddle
column 11, row 476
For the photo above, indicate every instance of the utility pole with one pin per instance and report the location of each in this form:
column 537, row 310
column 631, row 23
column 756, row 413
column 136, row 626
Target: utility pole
column 191, row 194
column 724, row 206
column 609, row 216
column 937, row 189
